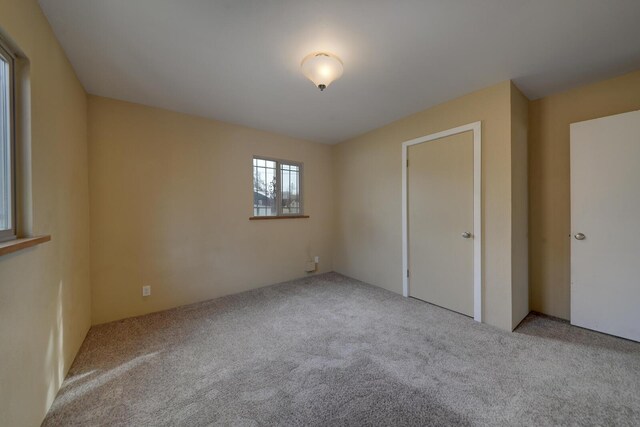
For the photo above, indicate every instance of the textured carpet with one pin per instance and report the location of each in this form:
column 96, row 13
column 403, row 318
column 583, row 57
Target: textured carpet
column 329, row 350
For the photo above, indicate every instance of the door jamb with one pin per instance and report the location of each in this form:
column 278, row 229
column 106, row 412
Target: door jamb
column 476, row 128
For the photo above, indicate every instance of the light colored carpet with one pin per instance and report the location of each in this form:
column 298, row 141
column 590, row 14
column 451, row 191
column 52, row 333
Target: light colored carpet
column 329, row 350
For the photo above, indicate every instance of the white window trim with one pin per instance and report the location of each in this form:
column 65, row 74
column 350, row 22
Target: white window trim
column 10, row 234
column 279, row 187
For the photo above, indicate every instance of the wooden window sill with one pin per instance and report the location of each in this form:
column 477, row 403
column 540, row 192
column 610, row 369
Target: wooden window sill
column 254, row 218
column 23, row 243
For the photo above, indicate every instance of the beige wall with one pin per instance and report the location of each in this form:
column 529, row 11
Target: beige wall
column 44, row 291
column 550, row 220
column 171, row 196
column 519, row 213
column 367, row 188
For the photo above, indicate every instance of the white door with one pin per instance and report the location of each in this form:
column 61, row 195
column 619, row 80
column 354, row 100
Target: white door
column 440, row 222
column 605, row 224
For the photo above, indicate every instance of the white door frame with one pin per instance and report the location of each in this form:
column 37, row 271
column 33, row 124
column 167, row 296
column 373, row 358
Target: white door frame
column 477, row 210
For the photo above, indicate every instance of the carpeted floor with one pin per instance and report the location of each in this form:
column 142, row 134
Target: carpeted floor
column 329, row 350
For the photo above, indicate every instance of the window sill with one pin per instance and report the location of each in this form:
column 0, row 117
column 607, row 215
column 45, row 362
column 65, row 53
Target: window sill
column 23, row 243
column 254, row 218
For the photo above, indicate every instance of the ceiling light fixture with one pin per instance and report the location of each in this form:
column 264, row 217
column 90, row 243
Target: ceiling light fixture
column 322, row 68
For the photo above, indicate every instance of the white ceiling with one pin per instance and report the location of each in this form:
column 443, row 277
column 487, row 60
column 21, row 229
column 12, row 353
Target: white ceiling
column 238, row 60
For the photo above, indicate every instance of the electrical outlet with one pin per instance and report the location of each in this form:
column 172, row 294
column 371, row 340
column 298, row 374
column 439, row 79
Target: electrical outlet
column 146, row 291
column 317, row 259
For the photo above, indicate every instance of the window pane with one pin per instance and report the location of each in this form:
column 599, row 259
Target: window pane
column 264, row 188
column 5, row 146
column 290, row 178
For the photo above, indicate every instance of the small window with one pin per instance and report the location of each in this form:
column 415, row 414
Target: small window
column 277, row 187
column 7, row 147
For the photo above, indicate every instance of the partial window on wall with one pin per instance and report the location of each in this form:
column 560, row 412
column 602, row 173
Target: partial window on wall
column 7, row 146
column 277, row 188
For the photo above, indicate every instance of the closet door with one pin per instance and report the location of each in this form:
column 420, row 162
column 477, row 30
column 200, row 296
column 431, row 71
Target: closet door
column 605, row 224
column 440, row 222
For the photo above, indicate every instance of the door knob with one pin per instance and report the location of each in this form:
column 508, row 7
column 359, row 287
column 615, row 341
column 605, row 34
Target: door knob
column 580, row 236
column 466, row 235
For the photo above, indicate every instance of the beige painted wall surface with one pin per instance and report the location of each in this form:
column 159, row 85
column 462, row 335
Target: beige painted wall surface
column 367, row 187
column 519, row 197
column 171, row 196
column 549, row 200
column 44, row 291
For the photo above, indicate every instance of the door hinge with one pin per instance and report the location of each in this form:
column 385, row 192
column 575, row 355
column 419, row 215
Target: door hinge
column 407, row 162
column 407, row 273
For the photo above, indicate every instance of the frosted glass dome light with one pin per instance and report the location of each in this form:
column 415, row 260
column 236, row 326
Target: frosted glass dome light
column 322, row 68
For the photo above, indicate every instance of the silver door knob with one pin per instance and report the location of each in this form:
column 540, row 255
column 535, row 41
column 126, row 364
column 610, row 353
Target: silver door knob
column 466, row 235
column 580, row 236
